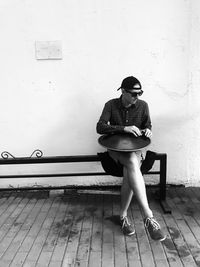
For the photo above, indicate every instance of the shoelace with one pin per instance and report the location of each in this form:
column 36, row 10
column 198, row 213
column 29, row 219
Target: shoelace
column 155, row 225
column 125, row 222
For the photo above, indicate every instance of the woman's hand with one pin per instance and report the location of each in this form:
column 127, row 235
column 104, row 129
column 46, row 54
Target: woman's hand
column 133, row 129
column 147, row 132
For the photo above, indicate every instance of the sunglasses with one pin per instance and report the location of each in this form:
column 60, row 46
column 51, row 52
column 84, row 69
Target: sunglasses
column 134, row 94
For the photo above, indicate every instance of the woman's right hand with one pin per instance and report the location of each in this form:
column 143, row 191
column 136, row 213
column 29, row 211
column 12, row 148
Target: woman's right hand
column 133, row 129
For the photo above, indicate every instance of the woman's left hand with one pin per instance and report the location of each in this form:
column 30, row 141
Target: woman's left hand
column 147, row 132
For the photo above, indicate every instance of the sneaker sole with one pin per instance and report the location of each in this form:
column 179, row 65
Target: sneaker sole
column 162, row 239
column 132, row 233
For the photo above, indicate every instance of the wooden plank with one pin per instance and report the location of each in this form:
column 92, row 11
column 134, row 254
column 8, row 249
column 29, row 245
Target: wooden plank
column 41, row 233
column 44, row 259
column 18, row 259
column 29, row 204
column 107, row 232
column 195, row 204
column 52, row 223
column 120, row 257
column 145, row 250
column 39, row 220
column 179, row 242
column 55, row 264
column 133, row 253
column 107, row 255
column 109, row 221
column 6, row 210
column 190, row 241
column 83, row 251
column 14, row 246
column 169, row 245
column 69, row 259
column 11, row 225
column 4, row 263
column 3, row 198
column 35, row 240
column 95, row 259
column 189, row 227
column 85, row 232
column 190, row 210
column 73, row 218
column 158, row 248
column 30, row 221
column 13, row 236
column 29, row 264
column 55, row 229
column 76, row 217
column 5, row 205
column 97, row 229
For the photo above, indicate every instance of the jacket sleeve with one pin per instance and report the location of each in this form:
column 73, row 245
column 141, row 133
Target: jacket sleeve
column 103, row 125
column 146, row 123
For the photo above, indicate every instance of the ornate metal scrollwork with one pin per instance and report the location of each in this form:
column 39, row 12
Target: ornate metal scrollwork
column 37, row 153
column 6, row 155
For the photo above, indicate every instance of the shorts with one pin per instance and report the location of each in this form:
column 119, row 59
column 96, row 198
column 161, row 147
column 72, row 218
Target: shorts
column 112, row 166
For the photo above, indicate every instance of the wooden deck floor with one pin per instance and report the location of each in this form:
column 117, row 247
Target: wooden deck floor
column 82, row 230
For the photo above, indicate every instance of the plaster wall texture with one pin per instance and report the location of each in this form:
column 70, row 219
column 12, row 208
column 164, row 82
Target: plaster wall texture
column 54, row 105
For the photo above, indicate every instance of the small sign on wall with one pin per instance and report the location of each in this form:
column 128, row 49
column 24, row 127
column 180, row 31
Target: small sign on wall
column 48, row 50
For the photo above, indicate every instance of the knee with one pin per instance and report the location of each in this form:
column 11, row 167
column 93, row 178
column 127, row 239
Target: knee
column 132, row 159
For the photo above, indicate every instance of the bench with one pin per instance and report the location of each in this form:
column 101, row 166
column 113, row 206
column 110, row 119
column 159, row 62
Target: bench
column 37, row 158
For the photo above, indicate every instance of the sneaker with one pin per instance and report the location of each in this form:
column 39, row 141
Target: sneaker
column 127, row 228
column 154, row 229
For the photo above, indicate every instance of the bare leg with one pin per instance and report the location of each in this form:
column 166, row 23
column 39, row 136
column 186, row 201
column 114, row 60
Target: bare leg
column 126, row 195
column 135, row 179
column 137, row 182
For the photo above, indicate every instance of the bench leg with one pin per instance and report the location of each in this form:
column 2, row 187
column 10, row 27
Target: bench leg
column 166, row 209
column 162, row 185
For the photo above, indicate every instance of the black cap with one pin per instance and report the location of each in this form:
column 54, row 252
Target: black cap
column 130, row 83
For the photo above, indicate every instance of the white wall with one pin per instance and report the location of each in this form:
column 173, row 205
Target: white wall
column 54, row 105
column 194, row 93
